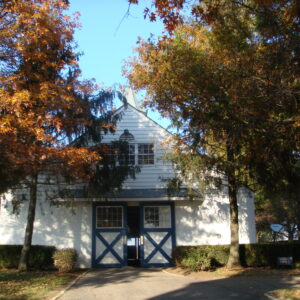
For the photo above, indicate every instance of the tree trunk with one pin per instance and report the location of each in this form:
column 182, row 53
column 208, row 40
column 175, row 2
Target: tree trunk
column 234, row 254
column 291, row 231
column 23, row 263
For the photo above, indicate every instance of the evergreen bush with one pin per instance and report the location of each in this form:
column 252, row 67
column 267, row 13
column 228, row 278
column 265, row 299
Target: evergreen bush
column 266, row 254
column 40, row 256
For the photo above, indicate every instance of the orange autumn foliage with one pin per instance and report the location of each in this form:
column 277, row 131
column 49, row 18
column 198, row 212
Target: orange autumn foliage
column 41, row 97
column 174, row 12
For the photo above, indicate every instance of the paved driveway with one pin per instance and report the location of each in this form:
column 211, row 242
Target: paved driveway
column 137, row 284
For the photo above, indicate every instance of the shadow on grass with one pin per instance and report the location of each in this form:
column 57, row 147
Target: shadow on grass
column 14, row 275
column 31, row 285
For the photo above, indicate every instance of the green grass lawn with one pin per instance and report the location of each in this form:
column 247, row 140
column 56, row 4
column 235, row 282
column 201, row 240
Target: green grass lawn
column 31, row 285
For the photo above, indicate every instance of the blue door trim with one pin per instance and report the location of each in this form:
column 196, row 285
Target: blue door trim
column 96, row 233
column 109, row 247
column 158, row 247
column 170, row 232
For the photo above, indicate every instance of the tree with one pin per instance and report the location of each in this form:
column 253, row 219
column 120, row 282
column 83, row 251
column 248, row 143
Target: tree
column 39, row 88
column 230, row 83
column 107, row 177
column 44, row 105
column 278, row 209
column 279, row 195
column 174, row 12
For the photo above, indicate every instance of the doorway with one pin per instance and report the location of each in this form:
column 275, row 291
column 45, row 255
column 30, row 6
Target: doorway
column 133, row 235
column 139, row 234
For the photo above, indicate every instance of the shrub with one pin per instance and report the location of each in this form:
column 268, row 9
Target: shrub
column 253, row 255
column 201, row 257
column 199, row 262
column 40, row 256
column 65, row 259
column 266, row 254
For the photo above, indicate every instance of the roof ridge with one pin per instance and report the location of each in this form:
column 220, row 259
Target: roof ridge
column 144, row 114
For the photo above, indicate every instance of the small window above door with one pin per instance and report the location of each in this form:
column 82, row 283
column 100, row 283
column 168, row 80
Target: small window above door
column 157, row 217
column 109, row 217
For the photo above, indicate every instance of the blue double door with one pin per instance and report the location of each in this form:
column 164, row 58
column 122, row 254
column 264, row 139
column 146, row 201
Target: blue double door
column 125, row 234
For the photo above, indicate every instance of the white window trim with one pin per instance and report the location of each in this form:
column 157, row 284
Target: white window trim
column 108, row 206
column 136, row 153
column 158, row 206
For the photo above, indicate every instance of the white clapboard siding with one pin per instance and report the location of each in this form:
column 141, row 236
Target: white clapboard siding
column 144, row 130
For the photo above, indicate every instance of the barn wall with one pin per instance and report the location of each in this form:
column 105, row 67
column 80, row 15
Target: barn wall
column 62, row 227
column 207, row 222
column 197, row 222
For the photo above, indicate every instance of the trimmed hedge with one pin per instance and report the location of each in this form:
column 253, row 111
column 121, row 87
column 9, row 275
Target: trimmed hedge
column 199, row 258
column 40, row 256
column 266, row 254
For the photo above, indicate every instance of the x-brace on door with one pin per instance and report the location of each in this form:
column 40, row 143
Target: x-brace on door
column 109, row 243
column 157, row 234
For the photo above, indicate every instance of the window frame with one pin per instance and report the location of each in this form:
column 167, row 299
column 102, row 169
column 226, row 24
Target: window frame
column 110, row 206
column 158, row 216
column 148, row 154
column 130, row 155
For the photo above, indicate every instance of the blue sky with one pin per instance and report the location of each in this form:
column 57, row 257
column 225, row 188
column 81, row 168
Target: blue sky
column 108, row 36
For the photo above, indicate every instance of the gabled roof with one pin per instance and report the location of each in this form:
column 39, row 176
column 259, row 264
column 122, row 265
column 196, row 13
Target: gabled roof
column 124, row 106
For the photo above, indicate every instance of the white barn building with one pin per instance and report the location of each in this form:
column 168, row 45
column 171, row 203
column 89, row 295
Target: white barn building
column 141, row 224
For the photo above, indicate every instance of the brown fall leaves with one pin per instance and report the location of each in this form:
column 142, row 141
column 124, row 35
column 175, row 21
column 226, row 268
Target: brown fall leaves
column 40, row 93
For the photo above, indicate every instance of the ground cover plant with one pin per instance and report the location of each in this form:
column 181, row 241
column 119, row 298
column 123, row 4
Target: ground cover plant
column 31, row 285
column 287, row 294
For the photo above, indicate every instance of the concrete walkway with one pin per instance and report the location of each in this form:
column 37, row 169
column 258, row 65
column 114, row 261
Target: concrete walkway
column 137, row 283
